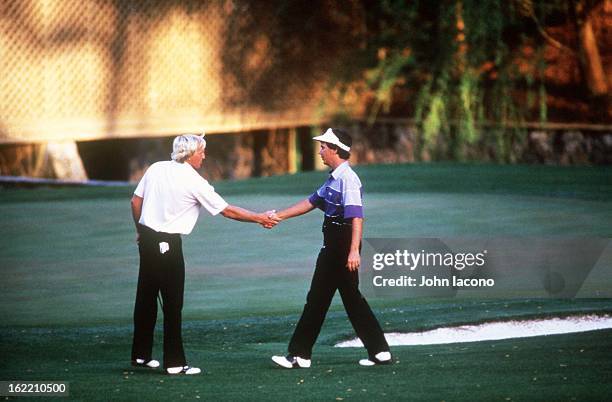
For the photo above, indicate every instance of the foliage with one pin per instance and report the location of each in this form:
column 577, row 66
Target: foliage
column 455, row 47
column 469, row 72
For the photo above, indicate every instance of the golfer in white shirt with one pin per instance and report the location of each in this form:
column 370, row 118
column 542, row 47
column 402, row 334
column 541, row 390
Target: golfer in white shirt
column 166, row 205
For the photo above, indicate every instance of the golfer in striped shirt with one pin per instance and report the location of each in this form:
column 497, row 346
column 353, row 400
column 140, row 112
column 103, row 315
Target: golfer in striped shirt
column 340, row 198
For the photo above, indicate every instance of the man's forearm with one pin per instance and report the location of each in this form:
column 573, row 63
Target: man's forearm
column 357, row 231
column 295, row 210
column 354, row 259
column 136, row 209
column 241, row 214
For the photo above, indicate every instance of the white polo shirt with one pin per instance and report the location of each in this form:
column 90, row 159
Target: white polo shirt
column 173, row 194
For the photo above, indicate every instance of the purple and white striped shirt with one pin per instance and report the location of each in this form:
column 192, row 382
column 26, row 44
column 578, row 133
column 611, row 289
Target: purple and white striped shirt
column 340, row 196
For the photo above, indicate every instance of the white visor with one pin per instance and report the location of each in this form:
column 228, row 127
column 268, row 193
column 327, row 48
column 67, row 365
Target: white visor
column 331, row 138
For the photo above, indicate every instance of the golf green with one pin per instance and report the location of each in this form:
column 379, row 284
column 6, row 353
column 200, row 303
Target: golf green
column 69, row 264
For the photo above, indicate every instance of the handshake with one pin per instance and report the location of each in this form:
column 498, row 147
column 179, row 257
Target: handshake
column 269, row 219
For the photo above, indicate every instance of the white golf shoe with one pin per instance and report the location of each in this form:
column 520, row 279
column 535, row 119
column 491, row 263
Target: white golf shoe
column 289, row 362
column 185, row 370
column 379, row 358
column 145, row 363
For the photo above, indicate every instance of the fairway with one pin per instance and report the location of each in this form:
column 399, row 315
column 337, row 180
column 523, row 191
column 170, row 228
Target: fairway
column 69, row 264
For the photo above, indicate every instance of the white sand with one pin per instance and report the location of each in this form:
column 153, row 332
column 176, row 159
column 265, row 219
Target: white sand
column 494, row 331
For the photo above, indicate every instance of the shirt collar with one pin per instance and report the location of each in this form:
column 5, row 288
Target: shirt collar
column 183, row 165
column 337, row 172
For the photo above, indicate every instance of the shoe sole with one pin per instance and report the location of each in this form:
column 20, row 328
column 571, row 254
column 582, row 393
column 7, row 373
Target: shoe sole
column 180, row 373
column 282, row 362
column 144, row 365
column 370, row 363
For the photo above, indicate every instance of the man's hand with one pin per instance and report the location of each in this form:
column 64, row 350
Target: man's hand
column 266, row 219
column 353, row 261
column 269, row 219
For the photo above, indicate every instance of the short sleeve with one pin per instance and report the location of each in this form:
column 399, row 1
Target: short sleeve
column 352, row 203
column 209, row 199
column 316, row 200
column 140, row 188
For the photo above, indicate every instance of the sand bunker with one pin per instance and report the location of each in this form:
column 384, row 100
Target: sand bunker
column 494, row 330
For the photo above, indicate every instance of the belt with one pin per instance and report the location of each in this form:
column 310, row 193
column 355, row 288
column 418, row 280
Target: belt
column 336, row 221
column 147, row 231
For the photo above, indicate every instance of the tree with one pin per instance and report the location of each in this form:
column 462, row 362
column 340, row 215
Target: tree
column 456, row 66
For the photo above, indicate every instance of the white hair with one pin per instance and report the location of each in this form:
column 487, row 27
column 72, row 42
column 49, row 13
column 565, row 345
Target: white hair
column 186, row 145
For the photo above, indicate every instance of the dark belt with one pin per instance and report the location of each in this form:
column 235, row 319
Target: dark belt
column 336, row 222
column 157, row 236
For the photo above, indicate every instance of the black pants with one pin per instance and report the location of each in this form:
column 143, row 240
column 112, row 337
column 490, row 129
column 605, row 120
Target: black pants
column 160, row 272
column 330, row 274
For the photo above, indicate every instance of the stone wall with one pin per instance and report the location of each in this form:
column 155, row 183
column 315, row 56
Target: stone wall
column 400, row 143
column 268, row 152
column 569, row 147
column 383, row 143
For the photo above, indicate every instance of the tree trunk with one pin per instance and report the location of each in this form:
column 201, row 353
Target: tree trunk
column 589, row 53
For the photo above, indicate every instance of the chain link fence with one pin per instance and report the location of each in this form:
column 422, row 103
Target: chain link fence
column 91, row 69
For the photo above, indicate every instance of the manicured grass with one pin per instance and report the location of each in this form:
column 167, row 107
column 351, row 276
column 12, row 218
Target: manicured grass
column 235, row 354
column 563, row 182
column 69, row 266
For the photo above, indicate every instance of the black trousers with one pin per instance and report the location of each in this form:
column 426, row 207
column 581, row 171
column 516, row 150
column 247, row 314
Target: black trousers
column 161, row 271
column 330, row 274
